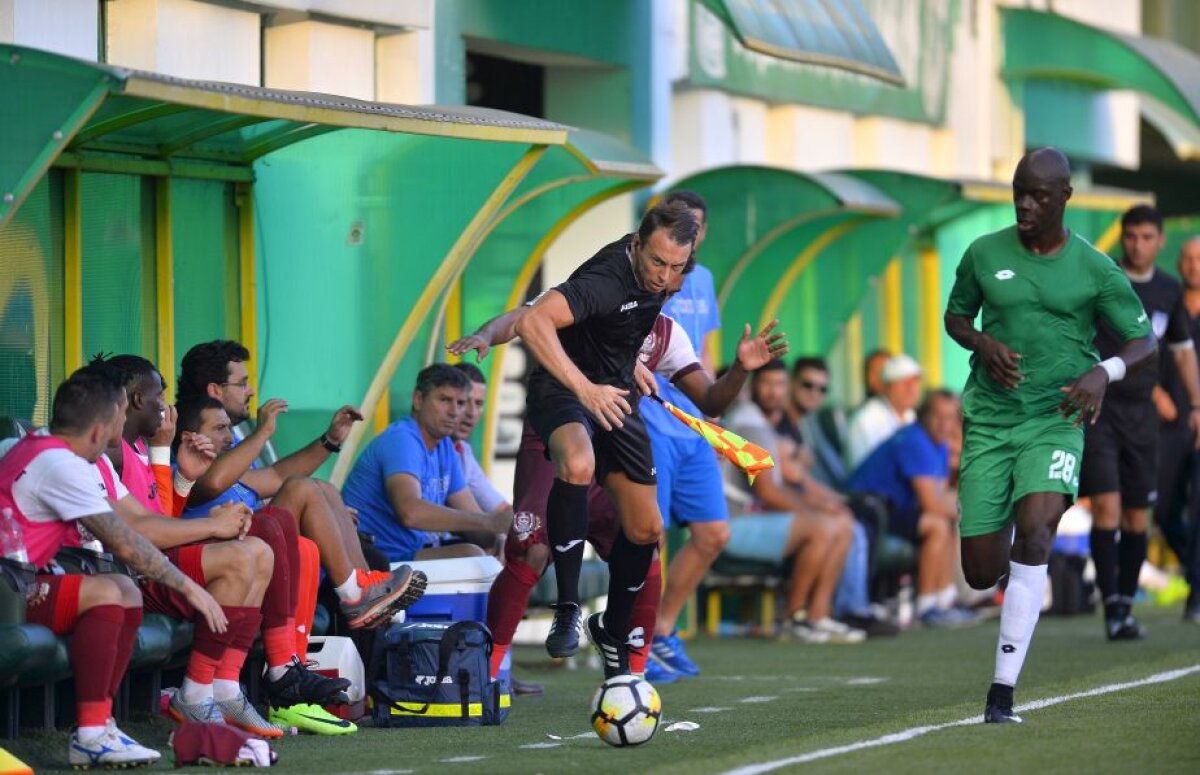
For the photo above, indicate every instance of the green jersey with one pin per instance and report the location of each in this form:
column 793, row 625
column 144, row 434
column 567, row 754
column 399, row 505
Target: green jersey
column 1043, row 307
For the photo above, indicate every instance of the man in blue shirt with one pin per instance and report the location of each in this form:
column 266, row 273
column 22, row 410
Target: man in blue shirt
column 408, row 485
column 690, row 493
column 910, row 472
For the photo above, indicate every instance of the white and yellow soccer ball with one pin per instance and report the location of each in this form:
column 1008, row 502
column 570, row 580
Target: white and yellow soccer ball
column 625, row 711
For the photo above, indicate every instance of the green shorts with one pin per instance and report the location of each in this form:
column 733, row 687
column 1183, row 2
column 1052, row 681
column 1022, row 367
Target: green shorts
column 1003, row 463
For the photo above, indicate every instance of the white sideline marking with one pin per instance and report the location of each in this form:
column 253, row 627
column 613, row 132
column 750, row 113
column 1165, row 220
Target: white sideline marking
column 462, row 759
column 915, row 732
column 865, row 681
column 541, row 745
column 710, row 709
column 755, row 700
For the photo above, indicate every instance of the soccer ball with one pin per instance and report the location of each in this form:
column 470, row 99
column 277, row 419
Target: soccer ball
column 625, row 711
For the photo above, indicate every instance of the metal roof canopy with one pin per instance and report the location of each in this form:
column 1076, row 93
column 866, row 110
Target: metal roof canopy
column 69, row 112
column 1049, row 47
column 832, row 33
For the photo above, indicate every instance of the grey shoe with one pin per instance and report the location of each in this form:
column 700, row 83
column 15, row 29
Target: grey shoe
column 383, row 594
column 238, row 712
column 205, row 712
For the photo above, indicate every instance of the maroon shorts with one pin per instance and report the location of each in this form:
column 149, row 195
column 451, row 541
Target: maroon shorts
column 55, row 604
column 160, row 599
column 531, row 486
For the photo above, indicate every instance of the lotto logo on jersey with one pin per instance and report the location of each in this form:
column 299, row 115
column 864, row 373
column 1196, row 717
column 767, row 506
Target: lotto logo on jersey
column 1005, row 274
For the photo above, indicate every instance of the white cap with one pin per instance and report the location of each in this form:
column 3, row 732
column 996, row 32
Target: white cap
column 900, row 367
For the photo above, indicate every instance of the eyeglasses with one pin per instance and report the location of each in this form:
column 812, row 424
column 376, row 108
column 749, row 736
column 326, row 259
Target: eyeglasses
column 243, row 384
column 817, row 386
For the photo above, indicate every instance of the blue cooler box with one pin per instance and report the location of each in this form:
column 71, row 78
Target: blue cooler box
column 458, row 589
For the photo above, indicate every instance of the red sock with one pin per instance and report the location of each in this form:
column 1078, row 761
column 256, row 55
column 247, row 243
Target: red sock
column 277, row 599
column 207, row 649
column 243, row 627
column 93, row 649
column 308, row 577
column 645, row 615
column 133, row 620
column 507, row 601
column 280, row 645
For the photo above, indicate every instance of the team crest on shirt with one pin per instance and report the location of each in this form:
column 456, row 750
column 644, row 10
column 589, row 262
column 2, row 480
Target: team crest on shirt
column 649, row 344
column 525, row 524
column 1158, row 322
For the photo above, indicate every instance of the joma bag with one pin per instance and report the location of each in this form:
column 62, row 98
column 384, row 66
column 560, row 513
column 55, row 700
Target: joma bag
column 427, row 674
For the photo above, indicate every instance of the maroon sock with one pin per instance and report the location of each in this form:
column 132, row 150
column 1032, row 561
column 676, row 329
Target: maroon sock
column 277, row 603
column 508, row 599
column 133, row 620
column 645, row 615
column 95, row 643
column 243, row 628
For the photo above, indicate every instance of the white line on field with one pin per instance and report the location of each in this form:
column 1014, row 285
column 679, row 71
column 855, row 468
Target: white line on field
column 541, row 745
column 756, row 700
column 915, row 732
column 462, row 759
column 709, row 709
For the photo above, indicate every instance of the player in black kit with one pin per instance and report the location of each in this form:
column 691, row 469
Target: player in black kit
column 1120, row 457
column 585, row 335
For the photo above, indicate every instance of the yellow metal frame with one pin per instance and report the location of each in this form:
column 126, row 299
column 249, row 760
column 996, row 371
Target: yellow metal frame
column 801, row 262
column 853, row 358
column 1111, row 236
column 72, row 272
column 164, row 275
column 1088, row 200
column 450, row 267
column 248, row 284
column 892, row 319
column 515, row 296
column 453, row 318
column 930, row 279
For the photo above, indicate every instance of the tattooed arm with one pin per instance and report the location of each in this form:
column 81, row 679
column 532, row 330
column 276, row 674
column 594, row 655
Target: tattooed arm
column 133, row 549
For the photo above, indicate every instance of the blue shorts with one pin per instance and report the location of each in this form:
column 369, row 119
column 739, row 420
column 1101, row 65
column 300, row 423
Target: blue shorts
column 689, row 480
column 760, row 537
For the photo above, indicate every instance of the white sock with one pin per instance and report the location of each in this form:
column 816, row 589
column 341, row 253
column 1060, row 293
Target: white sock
column 926, row 603
column 1018, row 617
column 277, row 672
column 947, row 596
column 349, row 591
column 88, row 733
column 192, row 693
column 224, row 689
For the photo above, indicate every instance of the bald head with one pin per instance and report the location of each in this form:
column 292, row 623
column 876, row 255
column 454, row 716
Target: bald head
column 1041, row 188
column 1189, row 263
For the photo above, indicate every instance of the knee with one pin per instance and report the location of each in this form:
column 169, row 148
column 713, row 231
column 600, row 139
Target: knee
column 576, row 469
column 262, row 559
column 300, row 487
column 110, row 590
column 645, row 533
column 537, row 557
column 709, row 538
column 980, row 578
column 131, row 596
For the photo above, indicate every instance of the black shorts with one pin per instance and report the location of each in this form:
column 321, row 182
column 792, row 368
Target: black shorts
column 625, row 449
column 1120, row 454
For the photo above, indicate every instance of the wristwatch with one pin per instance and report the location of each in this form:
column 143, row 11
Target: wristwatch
column 329, row 445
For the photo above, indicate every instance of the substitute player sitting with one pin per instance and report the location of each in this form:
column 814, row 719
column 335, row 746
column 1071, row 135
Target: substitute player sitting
column 1035, row 378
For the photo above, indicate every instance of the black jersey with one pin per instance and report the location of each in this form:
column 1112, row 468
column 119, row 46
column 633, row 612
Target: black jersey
column 1162, row 298
column 1173, row 383
column 613, row 314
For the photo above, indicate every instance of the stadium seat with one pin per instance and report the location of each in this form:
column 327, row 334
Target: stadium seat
column 23, row 647
column 732, row 574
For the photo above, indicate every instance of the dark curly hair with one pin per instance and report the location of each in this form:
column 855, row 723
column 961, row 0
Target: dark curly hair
column 207, row 363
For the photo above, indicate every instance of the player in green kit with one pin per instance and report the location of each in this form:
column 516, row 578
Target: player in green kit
column 1035, row 378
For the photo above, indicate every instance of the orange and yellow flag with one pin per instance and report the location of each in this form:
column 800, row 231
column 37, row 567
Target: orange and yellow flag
column 749, row 457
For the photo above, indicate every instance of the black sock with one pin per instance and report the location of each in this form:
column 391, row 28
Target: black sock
column 566, row 528
column 1131, row 554
column 1104, row 555
column 1000, row 694
column 628, row 564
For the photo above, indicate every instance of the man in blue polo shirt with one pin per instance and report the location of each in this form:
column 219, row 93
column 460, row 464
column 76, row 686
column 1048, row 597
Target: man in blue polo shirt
column 408, row 484
column 910, row 472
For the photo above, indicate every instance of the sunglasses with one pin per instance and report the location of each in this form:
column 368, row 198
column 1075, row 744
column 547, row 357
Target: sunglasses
column 820, row 388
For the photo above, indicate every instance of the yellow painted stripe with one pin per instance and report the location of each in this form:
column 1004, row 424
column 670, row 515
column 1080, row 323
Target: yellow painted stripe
column 853, row 358
column 165, row 282
column 72, row 272
column 449, row 268
column 453, row 320
column 517, row 295
column 1110, row 237
column 801, row 262
column 931, row 316
column 379, row 422
column 892, row 318
column 437, row 710
column 1116, row 201
column 248, row 284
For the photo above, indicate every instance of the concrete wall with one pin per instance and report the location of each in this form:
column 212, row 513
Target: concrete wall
column 70, row 27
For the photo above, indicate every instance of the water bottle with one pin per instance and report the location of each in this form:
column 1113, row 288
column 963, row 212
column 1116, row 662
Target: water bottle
column 12, row 542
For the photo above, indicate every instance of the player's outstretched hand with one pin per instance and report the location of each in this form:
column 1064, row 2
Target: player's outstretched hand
column 1083, row 397
column 607, row 404
column 343, row 420
column 466, row 344
column 644, row 379
column 268, row 415
column 754, row 353
column 1001, row 362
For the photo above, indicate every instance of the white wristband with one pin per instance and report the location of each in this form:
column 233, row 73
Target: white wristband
column 160, row 456
column 1115, row 368
column 183, row 485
